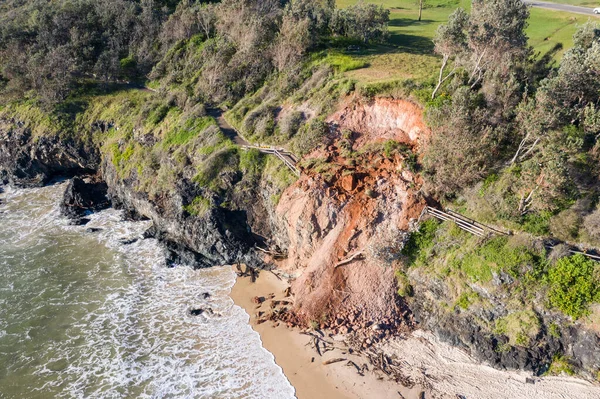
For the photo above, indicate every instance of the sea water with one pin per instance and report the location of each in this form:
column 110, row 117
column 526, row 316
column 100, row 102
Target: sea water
column 88, row 313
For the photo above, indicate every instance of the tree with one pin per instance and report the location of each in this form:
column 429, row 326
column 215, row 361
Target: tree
column 421, row 4
column 451, row 43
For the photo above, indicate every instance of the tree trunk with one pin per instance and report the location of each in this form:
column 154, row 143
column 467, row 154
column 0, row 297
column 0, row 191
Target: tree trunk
column 420, row 8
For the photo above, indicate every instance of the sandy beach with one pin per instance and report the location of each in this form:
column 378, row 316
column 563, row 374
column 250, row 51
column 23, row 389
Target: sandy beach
column 302, row 366
column 448, row 372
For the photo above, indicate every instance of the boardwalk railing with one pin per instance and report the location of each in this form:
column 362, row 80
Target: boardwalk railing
column 482, row 230
column 286, row 157
column 469, row 225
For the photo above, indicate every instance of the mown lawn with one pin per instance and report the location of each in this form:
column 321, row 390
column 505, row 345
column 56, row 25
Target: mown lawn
column 409, row 52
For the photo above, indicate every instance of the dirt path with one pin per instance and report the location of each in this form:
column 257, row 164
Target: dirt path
column 226, row 128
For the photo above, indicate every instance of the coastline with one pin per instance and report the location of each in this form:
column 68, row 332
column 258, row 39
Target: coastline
column 302, row 366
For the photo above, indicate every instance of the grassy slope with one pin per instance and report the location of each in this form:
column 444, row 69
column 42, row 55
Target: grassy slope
column 410, row 51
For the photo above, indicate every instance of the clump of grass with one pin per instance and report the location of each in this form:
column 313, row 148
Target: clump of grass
column 520, row 327
column 183, row 134
column 466, row 299
column 198, row 207
column 343, row 63
column 560, row 365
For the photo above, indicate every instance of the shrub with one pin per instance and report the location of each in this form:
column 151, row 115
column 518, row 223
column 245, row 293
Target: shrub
column 573, row 285
column 251, row 161
column 290, row 123
column 310, row 136
column 420, row 241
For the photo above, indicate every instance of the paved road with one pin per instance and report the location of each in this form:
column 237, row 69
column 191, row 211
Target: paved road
column 561, row 7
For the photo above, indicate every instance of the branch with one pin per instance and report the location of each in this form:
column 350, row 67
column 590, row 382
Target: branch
column 350, row 259
column 440, row 80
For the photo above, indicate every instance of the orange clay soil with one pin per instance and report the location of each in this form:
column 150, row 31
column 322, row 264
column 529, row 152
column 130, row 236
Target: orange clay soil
column 354, row 201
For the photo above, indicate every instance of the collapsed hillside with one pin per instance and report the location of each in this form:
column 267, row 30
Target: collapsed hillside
column 341, row 229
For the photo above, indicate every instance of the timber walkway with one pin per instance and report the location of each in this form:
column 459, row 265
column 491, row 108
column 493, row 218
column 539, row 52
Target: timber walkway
column 288, row 158
column 482, row 230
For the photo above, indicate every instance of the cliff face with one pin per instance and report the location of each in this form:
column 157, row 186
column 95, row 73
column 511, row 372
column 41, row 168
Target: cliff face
column 347, row 217
column 26, row 160
column 340, row 229
column 216, row 238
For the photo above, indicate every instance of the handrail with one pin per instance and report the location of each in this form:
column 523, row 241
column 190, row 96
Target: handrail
column 282, row 155
column 481, row 230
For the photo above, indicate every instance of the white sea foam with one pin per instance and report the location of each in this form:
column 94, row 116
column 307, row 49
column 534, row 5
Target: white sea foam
column 110, row 320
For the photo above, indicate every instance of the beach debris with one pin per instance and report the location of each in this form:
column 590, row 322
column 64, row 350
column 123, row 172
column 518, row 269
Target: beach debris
column 400, row 395
column 422, row 395
column 258, row 299
column 331, row 361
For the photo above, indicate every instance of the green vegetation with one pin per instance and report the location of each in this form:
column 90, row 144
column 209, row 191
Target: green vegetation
column 574, row 284
column 560, row 366
column 198, row 207
column 520, row 327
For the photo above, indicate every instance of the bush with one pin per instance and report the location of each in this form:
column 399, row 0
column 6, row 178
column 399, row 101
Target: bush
column 290, row 123
column 420, row 241
column 310, row 136
column 574, row 284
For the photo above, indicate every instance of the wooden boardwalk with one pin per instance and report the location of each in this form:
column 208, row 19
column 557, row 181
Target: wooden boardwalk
column 286, row 157
column 231, row 133
column 482, row 230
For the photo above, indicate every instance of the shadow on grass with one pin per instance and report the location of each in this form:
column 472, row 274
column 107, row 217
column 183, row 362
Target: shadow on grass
column 404, row 22
column 412, row 44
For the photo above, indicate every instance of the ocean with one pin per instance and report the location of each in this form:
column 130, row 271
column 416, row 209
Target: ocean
column 94, row 312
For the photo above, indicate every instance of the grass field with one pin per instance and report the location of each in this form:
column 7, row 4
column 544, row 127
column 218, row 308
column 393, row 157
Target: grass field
column 409, row 53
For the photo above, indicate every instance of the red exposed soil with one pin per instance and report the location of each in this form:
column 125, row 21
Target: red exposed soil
column 353, row 198
column 383, row 119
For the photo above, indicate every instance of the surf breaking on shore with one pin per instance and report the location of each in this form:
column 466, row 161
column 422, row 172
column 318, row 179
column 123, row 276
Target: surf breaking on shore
column 94, row 311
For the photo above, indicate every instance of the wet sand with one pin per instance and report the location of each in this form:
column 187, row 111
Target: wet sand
column 300, row 363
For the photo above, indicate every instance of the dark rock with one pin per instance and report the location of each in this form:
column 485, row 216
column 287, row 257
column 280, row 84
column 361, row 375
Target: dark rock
column 33, row 162
column 129, row 242
column 199, row 311
column 92, row 230
column 82, row 197
column 205, row 295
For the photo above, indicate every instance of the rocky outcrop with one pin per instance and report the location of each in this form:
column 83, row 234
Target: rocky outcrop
column 219, row 237
column 27, row 161
column 82, row 196
column 465, row 329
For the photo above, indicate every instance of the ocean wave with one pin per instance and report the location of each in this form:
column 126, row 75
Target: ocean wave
column 98, row 314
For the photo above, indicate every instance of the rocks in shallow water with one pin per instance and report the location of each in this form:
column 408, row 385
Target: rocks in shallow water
column 206, row 311
column 92, row 230
column 196, row 312
column 82, row 196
